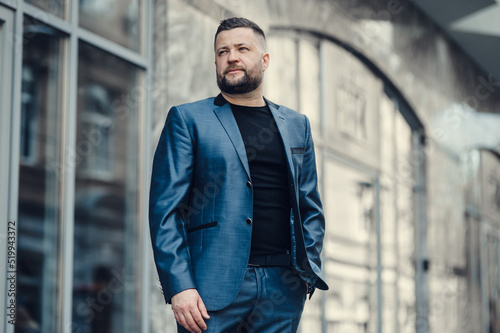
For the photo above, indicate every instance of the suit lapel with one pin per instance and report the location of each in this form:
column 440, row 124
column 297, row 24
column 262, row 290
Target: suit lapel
column 226, row 118
column 280, row 119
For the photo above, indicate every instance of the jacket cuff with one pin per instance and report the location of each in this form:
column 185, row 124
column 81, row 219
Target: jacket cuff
column 170, row 288
column 168, row 298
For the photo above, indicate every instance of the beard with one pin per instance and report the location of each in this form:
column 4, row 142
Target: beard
column 243, row 85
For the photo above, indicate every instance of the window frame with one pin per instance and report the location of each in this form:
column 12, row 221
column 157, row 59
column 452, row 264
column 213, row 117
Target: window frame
column 7, row 17
column 15, row 12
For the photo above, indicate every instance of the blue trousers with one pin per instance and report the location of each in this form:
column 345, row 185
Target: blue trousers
column 271, row 299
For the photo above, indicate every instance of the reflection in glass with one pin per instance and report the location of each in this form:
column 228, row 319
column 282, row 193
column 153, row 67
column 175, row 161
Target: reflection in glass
column 106, row 238
column 3, row 115
column 39, row 223
column 1, row 49
column 118, row 21
column 55, row 7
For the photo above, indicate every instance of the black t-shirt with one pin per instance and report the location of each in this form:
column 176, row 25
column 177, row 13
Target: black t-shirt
column 269, row 176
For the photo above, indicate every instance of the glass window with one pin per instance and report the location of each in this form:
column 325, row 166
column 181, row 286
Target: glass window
column 4, row 93
column 55, row 7
column 118, row 21
column 2, row 49
column 6, row 24
column 106, row 258
column 3, row 115
column 39, row 221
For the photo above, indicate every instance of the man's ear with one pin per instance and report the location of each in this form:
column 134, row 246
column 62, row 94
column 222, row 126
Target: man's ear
column 265, row 61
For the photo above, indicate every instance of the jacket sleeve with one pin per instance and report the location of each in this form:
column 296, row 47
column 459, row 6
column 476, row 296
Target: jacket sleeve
column 169, row 193
column 311, row 211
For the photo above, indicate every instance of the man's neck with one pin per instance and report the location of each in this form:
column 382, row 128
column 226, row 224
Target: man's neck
column 253, row 98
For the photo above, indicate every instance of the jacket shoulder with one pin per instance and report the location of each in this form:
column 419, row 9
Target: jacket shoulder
column 197, row 105
column 290, row 113
column 193, row 111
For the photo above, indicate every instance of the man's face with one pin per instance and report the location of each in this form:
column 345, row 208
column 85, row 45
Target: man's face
column 240, row 61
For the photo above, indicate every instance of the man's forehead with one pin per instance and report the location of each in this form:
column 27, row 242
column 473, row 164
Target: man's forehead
column 236, row 36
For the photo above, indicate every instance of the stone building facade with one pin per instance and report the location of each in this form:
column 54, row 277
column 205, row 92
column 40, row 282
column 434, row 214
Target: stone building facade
column 405, row 126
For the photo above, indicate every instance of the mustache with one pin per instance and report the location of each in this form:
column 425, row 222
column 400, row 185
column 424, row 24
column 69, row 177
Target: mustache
column 233, row 67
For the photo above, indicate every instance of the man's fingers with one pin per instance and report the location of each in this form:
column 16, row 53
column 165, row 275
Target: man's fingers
column 189, row 310
column 177, row 318
column 192, row 323
column 182, row 321
column 187, row 321
column 182, row 316
column 199, row 322
column 203, row 309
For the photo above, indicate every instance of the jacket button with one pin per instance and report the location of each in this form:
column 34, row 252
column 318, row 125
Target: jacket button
column 249, row 221
column 249, row 184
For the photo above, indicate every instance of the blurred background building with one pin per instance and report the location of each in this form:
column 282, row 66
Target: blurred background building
column 404, row 101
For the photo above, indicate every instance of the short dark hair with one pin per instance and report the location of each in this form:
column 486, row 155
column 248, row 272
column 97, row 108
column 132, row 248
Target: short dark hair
column 239, row 22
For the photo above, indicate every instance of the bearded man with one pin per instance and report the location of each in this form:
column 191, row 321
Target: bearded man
column 236, row 219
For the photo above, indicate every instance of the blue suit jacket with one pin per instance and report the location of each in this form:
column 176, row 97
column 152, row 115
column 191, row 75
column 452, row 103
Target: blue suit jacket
column 200, row 201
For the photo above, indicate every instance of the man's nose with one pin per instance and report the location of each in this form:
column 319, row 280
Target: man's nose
column 233, row 57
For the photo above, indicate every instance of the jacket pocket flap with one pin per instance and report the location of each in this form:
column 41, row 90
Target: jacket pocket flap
column 202, row 226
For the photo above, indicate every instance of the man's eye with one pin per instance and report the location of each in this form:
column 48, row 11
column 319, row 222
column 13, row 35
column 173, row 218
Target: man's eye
column 243, row 48
column 222, row 52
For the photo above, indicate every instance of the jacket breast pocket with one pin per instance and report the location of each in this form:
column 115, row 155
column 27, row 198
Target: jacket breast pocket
column 298, row 150
column 202, row 226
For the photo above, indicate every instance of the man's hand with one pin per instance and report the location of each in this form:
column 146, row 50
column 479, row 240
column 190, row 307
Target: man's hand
column 189, row 310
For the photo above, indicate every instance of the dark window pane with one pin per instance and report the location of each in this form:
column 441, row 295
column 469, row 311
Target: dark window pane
column 118, row 20
column 39, row 224
column 106, row 238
